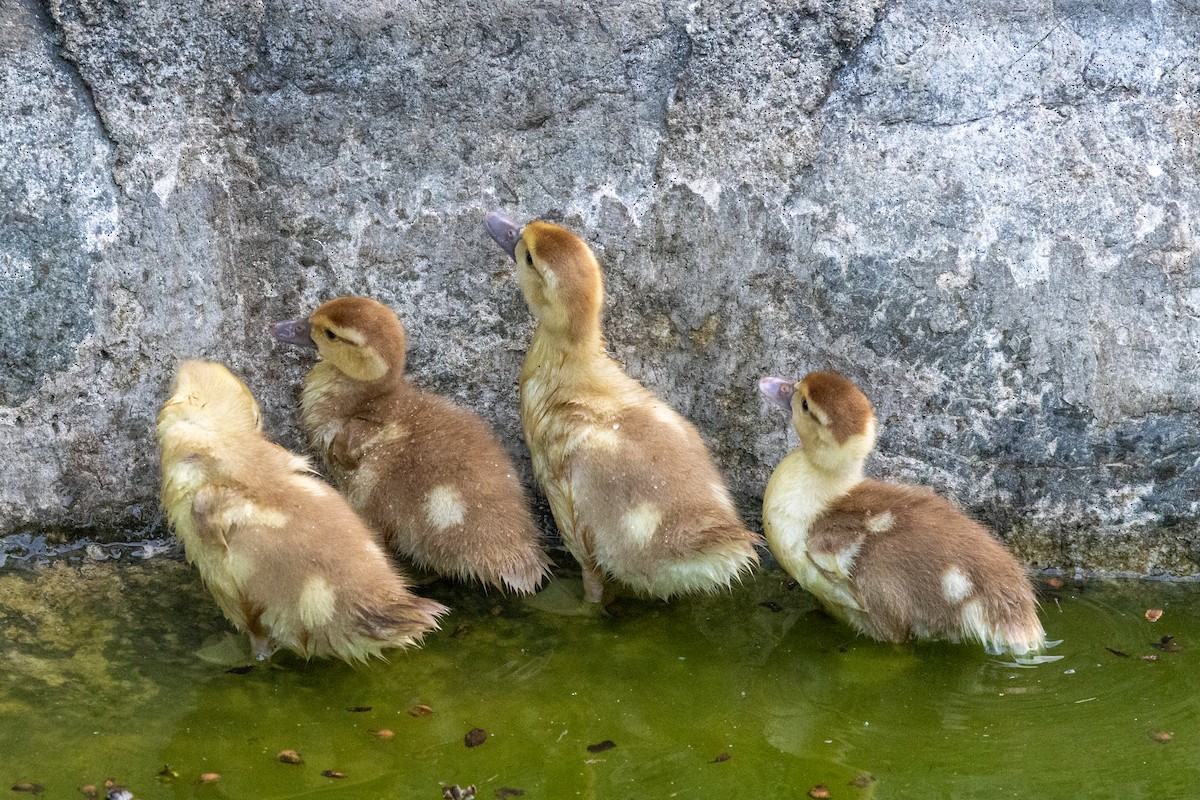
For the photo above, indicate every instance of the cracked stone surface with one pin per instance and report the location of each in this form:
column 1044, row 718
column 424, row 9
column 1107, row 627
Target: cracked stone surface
column 987, row 218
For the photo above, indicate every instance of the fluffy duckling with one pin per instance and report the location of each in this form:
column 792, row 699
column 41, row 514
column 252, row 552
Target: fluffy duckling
column 894, row 561
column 283, row 555
column 429, row 475
column 630, row 482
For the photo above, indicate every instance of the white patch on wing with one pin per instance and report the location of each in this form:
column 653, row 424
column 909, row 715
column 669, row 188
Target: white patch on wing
column 311, row 485
column 880, row 523
column 388, row 433
column 723, row 499
column 444, row 507
column 317, row 602
column 641, row 523
column 600, row 437
column 840, row 562
column 364, row 483
column 956, row 586
column 847, row 555
column 300, row 463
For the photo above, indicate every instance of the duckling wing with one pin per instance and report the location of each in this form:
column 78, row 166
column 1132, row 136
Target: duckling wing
column 355, row 435
column 213, row 511
column 834, row 544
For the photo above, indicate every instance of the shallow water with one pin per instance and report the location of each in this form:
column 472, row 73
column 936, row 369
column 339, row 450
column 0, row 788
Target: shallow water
column 117, row 669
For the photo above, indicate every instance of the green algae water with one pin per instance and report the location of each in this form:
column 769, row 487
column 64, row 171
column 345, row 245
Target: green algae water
column 127, row 671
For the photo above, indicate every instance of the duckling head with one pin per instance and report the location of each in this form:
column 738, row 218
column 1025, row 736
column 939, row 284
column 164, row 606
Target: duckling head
column 362, row 338
column 207, row 393
column 833, row 418
column 559, row 276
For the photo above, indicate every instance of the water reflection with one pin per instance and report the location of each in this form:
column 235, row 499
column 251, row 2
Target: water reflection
column 750, row 694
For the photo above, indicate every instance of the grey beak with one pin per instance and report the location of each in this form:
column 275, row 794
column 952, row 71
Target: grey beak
column 294, row 331
column 506, row 232
column 778, row 391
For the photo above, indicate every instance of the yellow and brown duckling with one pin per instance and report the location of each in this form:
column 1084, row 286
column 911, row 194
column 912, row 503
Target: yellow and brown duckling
column 285, row 557
column 896, row 562
column 429, row 475
column 630, row 482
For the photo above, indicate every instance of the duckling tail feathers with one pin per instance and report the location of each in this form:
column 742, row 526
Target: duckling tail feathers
column 401, row 622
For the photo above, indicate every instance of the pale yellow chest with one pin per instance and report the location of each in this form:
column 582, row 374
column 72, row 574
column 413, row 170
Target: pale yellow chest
column 316, row 401
column 796, row 496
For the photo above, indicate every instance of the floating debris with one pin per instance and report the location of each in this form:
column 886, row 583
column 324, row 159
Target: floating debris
column 420, row 710
column 505, row 792
column 1153, row 614
column 820, row 792
column 289, row 757
column 30, row 788
column 771, row 605
column 600, row 747
column 460, row 629
column 332, row 773
column 1117, row 653
column 862, row 781
column 456, row 792
column 167, row 774
column 1162, row 737
column 1054, row 583
column 1150, row 657
column 383, row 733
column 475, row 737
column 358, row 709
column 721, row 758
column 115, row 791
column 210, row 777
column 497, row 610
column 89, row 791
column 1167, row 644
column 791, row 585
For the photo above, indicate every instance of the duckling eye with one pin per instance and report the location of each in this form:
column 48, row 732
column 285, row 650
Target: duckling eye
column 330, row 335
column 528, row 259
column 804, row 405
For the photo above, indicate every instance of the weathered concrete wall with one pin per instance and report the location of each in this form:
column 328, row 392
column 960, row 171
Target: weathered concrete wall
column 985, row 216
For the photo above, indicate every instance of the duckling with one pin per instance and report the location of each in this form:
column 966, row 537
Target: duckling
column 430, row 475
column 894, row 561
column 630, row 482
column 284, row 556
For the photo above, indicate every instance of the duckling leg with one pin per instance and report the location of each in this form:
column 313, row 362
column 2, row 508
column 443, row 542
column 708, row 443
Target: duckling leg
column 593, row 584
column 262, row 646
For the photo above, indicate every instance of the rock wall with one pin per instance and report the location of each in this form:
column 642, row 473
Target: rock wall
column 986, row 217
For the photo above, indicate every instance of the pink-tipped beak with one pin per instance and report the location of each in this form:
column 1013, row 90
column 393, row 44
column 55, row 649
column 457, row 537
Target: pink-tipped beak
column 778, row 391
column 504, row 230
column 294, row 331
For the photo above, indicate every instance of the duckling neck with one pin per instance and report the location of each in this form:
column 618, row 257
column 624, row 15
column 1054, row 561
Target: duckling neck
column 551, row 351
column 798, row 493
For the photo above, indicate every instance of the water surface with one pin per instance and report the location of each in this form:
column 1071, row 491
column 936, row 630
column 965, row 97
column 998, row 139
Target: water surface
column 119, row 669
